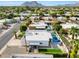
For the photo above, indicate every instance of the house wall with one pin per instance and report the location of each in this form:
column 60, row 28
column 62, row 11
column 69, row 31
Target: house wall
column 39, row 43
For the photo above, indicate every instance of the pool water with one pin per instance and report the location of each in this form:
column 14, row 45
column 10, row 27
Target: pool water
column 54, row 39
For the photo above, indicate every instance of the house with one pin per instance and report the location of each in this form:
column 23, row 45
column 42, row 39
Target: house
column 73, row 18
column 33, row 18
column 21, row 18
column 62, row 19
column 25, row 13
column 6, row 20
column 67, row 14
column 69, row 25
column 32, row 56
column 37, row 37
column 38, row 25
column 47, row 17
column 35, row 14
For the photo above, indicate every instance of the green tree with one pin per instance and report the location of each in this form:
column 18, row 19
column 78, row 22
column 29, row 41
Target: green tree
column 15, row 34
column 10, row 16
column 63, row 31
column 74, row 32
column 57, row 27
column 23, row 28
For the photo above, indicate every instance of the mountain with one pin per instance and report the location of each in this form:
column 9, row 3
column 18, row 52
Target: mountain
column 32, row 4
column 74, row 4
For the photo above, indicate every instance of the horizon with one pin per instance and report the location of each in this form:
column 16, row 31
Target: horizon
column 45, row 3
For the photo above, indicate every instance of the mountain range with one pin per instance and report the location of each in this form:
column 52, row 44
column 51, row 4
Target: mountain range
column 75, row 4
column 36, row 4
column 32, row 4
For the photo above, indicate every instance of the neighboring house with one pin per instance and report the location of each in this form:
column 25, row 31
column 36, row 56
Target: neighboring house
column 78, row 18
column 6, row 20
column 62, row 19
column 37, row 37
column 26, row 13
column 33, row 18
column 17, row 19
column 35, row 14
column 21, row 18
column 69, row 25
column 38, row 25
column 68, row 14
column 47, row 17
column 73, row 18
column 32, row 56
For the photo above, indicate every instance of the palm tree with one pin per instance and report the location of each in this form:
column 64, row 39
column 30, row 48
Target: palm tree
column 57, row 27
column 77, row 33
column 73, row 31
column 15, row 34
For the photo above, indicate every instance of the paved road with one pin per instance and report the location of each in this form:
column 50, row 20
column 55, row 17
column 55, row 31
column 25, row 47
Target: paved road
column 8, row 35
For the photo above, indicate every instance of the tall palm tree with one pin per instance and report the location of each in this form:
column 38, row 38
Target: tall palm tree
column 73, row 31
column 15, row 34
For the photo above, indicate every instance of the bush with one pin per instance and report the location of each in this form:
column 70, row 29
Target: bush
column 72, row 54
column 50, row 51
column 60, row 55
column 23, row 28
column 21, row 34
column 10, row 16
column 57, row 53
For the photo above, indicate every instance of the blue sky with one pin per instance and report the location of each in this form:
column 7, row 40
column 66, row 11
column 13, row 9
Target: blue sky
column 54, row 3
column 47, row 3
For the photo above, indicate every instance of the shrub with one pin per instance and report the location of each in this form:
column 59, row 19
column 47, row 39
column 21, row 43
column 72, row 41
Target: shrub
column 23, row 28
column 10, row 16
column 14, row 21
column 21, row 34
column 64, row 55
column 72, row 54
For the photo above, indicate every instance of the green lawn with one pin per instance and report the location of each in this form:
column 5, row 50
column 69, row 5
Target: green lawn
column 51, row 51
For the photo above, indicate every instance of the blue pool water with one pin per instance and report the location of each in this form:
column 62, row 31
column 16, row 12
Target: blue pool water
column 54, row 39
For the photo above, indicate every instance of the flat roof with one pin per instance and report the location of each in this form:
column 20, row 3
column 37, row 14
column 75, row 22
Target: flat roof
column 3, row 20
column 38, row 24
column 69, row 25
column 32, row 56
column 38, row 35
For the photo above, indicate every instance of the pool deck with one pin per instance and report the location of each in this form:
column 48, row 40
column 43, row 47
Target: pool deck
column 62, row 47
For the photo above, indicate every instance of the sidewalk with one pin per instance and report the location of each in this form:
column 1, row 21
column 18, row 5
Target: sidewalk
column 12, row 47
column 14, row 42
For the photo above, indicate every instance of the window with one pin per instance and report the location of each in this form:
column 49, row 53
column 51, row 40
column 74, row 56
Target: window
column 41, row 43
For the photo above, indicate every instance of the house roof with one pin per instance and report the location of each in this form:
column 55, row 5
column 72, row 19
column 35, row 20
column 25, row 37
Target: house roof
column 38, row 24
column 3, row 20
column 37, row 35
column 32, row 56
column 69, row 25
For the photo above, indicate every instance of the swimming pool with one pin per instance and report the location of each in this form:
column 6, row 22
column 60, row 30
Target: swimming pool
column 55, row 39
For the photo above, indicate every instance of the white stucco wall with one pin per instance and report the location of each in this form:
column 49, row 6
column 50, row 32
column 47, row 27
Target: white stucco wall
column 44, row 43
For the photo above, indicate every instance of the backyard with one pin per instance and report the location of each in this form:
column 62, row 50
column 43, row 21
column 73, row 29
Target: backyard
column 51, row 51
column 57, row 53
column 65, row 40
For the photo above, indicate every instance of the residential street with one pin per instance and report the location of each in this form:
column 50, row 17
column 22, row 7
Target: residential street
column 8, row 35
